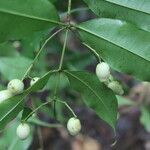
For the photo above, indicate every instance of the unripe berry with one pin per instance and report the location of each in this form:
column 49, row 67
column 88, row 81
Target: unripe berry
column 74, row 126
column 15, row 86
column 23, row 131
column 5, row 94
column 16, row 44
column 116, row 87
column 34, row 80
column 103, row 71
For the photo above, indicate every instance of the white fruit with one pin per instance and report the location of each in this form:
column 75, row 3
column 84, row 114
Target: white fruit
column 23, row 131
column 103, row 71
column 116, row 87
column 5, row 94
column 15, row 86
column 74, row 126
column 34, row 80
column 16, row 44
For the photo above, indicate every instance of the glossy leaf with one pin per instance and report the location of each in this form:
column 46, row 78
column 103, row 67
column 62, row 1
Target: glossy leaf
column 122, row 45
column 26, row 112
column 23, row 18
column 136, row 12
column 14, row 67
column 6, row 49
column 95, row 94
column 12, row 106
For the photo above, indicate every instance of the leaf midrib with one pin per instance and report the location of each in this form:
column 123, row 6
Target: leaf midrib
column 12, row 109
column 29, row 16
column 83, row 29
column 127, row 7
column 92, row 91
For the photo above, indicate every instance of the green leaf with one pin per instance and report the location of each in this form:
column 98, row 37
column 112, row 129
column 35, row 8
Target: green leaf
column 95, row 94
column 51, row 85
column 32, row 43
column 12, row 106
column 145, row 118
column 26, row 112
column 52, row 1
column 23, row 18
column 122, row 45
column 136, row 12
column 14, row 67
column 6, row 49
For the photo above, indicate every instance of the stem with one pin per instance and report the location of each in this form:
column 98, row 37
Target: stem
column 44, row 124
column 63, row 51
column 39, row 52
column 63, row 102
column 65, row 42
column 69, row 7
column 36, row 110
column 56, row 86
column 74, row 11
column 55, row 95
column 93, row 51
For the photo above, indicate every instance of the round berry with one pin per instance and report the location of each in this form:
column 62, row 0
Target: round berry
column 15, row 86
column 34, row 80
column 103, row 71
column 16, row 44
column 23, row 131
column 74, row 126
column 116, row 87
column 5, row 94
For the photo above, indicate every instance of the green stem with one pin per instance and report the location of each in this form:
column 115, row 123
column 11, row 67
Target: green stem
column 39, row 52
column 63, row 51
column 55, row 95
column 56, row 86
column 63, row 102
column 65, row 42
column 69, row 7
column 93, row 51
column 36, row 110
column 44, row 124
column 74, row 11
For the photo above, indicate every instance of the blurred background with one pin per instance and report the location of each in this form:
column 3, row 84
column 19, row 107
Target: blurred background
column 133, row 127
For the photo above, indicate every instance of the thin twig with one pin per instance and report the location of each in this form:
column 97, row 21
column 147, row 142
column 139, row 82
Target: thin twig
column 55, row 95
column 63, row 102
column 93, row 51
column 39, row 52
column 36, row 110
column 44, row 124
column 74, row 11
column 63, row 51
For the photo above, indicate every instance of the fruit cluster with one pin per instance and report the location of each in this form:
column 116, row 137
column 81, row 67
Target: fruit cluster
column 104, row 75
column 16, row 87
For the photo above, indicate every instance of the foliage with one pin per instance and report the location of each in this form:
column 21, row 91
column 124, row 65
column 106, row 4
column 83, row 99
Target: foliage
column 119, row 36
